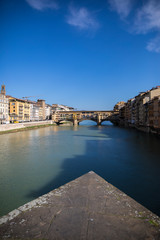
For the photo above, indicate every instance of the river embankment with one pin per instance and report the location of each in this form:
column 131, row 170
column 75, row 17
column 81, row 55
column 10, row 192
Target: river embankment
column 146, row 129
column 17, row 127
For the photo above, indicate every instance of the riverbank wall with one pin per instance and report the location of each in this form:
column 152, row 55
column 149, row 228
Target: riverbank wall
column 146, row 129
column 14, row 126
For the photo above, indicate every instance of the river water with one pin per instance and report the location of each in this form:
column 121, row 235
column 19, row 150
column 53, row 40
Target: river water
column 35, row 162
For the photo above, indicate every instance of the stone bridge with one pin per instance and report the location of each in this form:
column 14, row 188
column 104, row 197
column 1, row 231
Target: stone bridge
column 78, row 116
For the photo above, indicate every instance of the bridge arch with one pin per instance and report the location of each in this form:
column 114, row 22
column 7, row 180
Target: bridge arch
column 106, row 122
column 61, row 121
column 88, row 120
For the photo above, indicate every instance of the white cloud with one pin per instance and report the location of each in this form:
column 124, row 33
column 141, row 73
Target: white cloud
column 43, row 4
column 154, row 45
column 148, row 17
column 81, row 18
column 122, row 7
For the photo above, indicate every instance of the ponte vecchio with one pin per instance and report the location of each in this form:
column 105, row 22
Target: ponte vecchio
column 78, row 116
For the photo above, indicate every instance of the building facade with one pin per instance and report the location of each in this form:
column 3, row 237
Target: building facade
column 118, row 106
column 48, row 111
column 19, row 110
column 58, row 107
column 34, row 112
column 42, row 112
column 4, row 116
column 142, row 111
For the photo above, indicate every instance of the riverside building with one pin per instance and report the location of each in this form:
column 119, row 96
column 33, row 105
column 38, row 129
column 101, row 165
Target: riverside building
column 42, row 113
column 57, row 108
column 4, row 117
column 142, row 111
column 48, row 111
column 19, row 110
column 34, row 111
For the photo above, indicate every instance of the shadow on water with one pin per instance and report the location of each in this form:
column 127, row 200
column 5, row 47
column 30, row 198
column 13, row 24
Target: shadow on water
column 131, row 164
column 70, row 169
column 80, row 135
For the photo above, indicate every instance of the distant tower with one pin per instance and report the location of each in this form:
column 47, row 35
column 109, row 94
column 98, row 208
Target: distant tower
column 41, row 103
column 3, row 90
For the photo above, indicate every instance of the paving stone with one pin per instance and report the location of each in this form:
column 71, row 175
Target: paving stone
column 86, row 208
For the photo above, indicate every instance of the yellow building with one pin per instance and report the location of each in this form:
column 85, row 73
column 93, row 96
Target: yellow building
column 19, row 110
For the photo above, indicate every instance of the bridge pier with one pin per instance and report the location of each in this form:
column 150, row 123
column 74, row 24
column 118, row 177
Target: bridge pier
column 75, row 122
column 98, row 123
column 98, row 120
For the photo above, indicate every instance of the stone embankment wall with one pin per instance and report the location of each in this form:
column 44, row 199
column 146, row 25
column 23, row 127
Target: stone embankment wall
column 142, row 128
column 11, row 126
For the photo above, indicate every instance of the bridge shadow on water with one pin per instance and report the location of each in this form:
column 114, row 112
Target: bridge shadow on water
column 117, row 157
column 72, row 168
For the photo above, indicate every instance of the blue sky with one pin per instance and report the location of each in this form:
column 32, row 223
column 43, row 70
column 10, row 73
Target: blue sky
column 86, row 54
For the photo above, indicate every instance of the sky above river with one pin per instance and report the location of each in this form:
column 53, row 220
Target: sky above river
column 87, row 54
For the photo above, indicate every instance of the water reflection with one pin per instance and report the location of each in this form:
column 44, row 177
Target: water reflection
column 87, row 123
column 37, row 161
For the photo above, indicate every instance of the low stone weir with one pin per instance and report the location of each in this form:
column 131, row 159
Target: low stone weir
column 86, row 208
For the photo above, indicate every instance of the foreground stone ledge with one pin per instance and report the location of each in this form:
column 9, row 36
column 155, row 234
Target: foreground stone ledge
column 86, row 208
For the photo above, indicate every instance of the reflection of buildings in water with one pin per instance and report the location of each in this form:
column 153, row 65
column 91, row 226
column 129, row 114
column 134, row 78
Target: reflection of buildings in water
column 55, row 129
column 75, row 128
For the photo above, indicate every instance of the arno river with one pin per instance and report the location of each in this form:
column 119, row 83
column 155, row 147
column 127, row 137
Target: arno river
column 35, row 162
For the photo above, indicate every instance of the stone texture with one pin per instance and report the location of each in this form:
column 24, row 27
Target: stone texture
column 86, row 208
column 12, row 126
